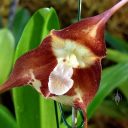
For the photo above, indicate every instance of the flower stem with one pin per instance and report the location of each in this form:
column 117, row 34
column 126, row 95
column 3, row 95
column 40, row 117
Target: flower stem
column 56, row 113
column 74, row 117
column 79, row 9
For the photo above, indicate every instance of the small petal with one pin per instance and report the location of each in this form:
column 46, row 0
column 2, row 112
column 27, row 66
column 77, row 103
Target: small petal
column 33, row 68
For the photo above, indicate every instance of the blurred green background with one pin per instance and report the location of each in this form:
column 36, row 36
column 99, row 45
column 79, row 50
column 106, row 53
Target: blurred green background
column 23, row 25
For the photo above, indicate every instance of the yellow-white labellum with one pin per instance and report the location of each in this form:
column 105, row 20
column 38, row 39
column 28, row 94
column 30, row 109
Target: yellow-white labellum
column 77, row 55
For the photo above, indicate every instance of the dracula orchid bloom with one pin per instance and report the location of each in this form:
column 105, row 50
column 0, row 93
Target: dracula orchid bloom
column 66, row 67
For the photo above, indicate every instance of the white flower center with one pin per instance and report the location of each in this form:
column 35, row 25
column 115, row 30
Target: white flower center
column 60, row 79
column 70, row 60
column 69, row 55
column 75, row 54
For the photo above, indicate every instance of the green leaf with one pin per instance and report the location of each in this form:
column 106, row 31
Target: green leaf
column 21, row 18
column 32, row 111
column 69, row 120
column 6, row 119
column 6, row 53
column 49, row 115
column 116, row 56
column 26, row 103
column 36, row 29
column 0, row 21
column 111, row 78
column 111, row 109
column 116, row 42
column 124, row 89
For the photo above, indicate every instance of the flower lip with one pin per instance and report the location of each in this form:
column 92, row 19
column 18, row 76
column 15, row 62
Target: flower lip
column 60, row 80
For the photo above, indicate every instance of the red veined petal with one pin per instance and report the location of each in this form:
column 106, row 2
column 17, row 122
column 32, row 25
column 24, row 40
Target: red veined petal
column 86, row 83
column 33, row 67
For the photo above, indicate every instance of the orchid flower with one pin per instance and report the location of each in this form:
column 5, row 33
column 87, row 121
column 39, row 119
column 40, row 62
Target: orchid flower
column 66, row 67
